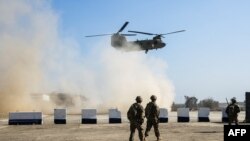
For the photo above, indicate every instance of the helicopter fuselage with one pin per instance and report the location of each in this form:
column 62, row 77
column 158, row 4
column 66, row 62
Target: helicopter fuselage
column 150, row 44
column 120, row 42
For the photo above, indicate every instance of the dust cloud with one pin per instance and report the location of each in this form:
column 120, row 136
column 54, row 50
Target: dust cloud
column 35, row 60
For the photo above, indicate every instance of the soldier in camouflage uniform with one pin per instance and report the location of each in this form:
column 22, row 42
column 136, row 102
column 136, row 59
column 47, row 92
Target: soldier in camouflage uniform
column 152, row 114
column 232, row 111
column 136, row 116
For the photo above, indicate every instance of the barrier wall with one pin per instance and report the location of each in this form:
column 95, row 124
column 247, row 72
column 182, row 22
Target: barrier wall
column 183, row 115
column 203, row 114
column 25, row 118
column 89, row 116
column 163, row 117
column 115, row 116
column 60, row 116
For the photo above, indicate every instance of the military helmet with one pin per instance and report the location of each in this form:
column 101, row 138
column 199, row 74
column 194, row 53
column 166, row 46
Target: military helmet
column 233, row 100
column 138, row 99
column 153, row 97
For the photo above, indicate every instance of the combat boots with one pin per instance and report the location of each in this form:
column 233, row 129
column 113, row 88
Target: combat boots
column 158, row 138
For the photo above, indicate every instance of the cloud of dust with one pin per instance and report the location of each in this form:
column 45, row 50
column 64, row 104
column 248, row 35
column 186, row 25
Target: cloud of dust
column 124, row 75
column 20, row 72
column 35, row 59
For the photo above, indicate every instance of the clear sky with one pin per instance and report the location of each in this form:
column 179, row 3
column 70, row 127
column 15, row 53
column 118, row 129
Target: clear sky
column 210, row 59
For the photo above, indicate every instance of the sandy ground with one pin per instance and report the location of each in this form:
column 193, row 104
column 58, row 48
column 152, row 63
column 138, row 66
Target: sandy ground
column 74, row 131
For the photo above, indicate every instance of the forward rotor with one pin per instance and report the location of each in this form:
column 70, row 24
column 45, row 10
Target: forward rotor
column 118, row 32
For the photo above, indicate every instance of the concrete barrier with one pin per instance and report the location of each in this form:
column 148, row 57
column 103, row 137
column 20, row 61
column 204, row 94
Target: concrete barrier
column 203, row 114
column 25, row 118
column 183, row 115
column 163, row 117
column 115, row 116
column 224, row 115
column 60, row 116
column 89, row 116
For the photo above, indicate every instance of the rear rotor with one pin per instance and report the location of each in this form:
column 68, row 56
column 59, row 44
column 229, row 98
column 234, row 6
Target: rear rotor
column 157, row 35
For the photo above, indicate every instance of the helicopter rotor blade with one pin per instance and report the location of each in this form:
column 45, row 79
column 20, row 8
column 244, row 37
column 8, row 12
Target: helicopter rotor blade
column 98, row 35
column 128, row 34
column 124, row 25
column 141, row 32
column 173, row 32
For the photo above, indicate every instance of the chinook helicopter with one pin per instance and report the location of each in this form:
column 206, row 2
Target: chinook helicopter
column 119, row 40
column 154, row 43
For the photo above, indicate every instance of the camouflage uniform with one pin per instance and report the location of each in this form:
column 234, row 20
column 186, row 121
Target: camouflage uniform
column 136, row 120
column 232, row 111
column 152, row 114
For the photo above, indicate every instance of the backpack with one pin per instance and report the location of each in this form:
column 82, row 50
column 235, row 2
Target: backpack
column 132, row 112
column 148, row 110
column 232, row 110
column 152, row 111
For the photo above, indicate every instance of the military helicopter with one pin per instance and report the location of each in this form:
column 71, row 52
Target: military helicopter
column 117, row 40
column 154, row 43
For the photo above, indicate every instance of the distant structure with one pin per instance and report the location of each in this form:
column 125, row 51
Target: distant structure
column 58, row 100
column 247, row 104
column 191, row 103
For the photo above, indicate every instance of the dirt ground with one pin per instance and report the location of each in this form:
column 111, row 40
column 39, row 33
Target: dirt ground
column 74, row 131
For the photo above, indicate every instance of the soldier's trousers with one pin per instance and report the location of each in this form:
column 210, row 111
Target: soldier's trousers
column 232, row 119
column 155, row 124
column 133, row 127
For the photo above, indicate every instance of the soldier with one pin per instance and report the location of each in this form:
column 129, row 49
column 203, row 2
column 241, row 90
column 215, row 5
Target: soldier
column 136, row 116
column 152, row 114
column 232, row 111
